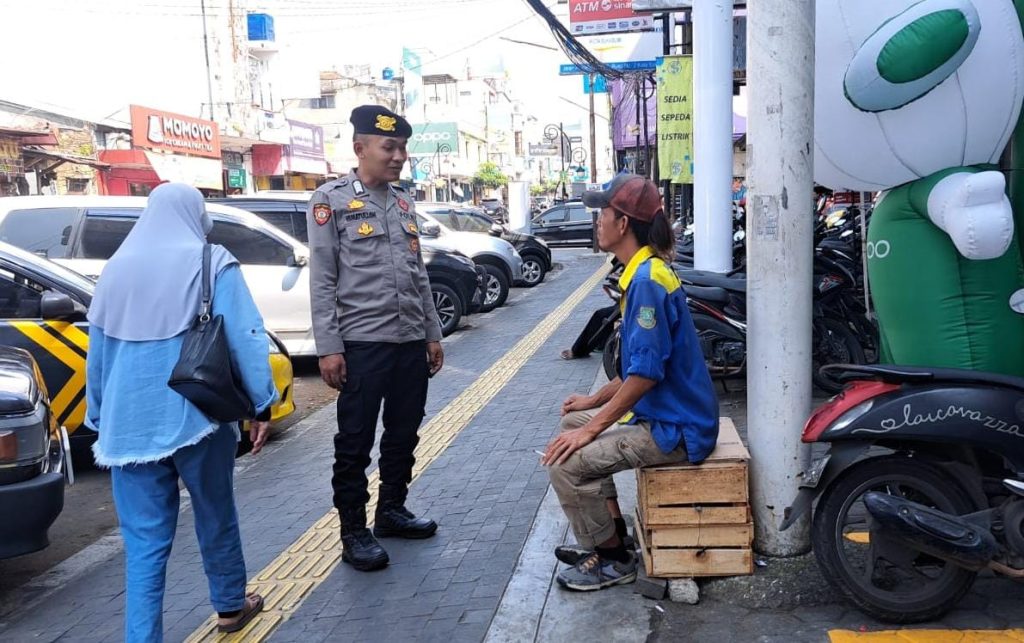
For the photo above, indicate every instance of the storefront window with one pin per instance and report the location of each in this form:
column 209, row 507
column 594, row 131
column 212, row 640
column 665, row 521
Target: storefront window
column 139, row 189
column 77, row 186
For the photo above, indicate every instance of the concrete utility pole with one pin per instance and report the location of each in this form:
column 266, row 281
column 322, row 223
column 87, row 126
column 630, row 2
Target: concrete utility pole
column 780, row 42
column 712, row 120
column 593, row 132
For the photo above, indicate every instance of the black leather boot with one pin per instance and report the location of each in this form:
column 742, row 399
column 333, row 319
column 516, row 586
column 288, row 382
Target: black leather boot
column 358, row 546
column 393, row 520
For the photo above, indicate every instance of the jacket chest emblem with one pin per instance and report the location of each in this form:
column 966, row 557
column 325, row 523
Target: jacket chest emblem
column 355, row 204
column 365, row 229
column 404, row 205
column 411, row 227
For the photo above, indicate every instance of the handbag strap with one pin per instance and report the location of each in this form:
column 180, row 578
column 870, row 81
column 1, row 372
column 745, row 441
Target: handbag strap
column 206, row 304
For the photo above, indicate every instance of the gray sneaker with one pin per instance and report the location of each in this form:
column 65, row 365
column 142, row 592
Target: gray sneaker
column 572, row 554
column 594, row 572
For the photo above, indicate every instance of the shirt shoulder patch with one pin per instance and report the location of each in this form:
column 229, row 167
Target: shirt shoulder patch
column 646, row 318
column 322, row 213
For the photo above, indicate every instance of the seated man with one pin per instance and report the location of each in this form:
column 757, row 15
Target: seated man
column 662, row 406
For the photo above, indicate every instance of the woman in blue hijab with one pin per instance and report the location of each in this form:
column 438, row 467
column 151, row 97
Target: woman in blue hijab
column 150, row 436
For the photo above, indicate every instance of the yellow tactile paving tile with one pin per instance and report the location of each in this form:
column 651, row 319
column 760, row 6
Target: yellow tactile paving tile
column 928, row 636
column 304, row 565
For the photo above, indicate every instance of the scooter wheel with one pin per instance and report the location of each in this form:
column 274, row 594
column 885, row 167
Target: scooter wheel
column 884, row 578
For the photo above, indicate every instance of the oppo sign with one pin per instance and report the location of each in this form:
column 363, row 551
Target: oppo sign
column 428, row 137
column 432, row 137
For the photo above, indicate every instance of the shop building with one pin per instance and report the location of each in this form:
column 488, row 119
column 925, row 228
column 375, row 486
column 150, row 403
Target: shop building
column 299, row 165
column 165, row 147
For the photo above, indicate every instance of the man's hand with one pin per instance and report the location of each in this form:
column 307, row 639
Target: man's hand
column 577, row 402
column 333, row 370
column 435, row 357
column 567, row 443
column 258, row 434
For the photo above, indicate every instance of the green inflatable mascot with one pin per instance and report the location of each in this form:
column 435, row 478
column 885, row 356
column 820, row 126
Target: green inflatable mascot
column 918, row 99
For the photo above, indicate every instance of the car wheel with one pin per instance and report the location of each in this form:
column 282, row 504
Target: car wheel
column 449, row 308
column 533, row 270
column 495, row 288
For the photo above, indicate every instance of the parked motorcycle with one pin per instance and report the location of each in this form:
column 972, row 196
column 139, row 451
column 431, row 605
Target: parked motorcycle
column 718, row 307
column 921, row 487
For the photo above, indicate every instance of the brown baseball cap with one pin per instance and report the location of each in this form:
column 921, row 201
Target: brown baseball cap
column 631, row 194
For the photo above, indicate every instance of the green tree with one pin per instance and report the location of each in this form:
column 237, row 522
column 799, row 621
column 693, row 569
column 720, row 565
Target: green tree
column 490, row 176
column 541, row 189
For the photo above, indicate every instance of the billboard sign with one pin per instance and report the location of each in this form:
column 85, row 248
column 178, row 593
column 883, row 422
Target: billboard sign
column 430, row 138
column 675, row 119
column 412, row 74
column 167, row 132
column 306, row 140
column 622, row 51
column 605, row 16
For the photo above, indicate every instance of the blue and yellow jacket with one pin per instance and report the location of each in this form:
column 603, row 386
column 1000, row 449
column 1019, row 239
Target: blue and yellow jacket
column 659, row 343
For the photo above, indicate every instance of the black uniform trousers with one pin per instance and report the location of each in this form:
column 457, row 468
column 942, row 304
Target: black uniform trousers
column 395, row 374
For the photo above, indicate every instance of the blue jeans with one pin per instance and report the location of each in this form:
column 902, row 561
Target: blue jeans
column 146, row 497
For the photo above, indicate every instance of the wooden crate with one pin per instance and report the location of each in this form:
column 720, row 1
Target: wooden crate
column 694, row 520
column 713, row 492
column 687, row 562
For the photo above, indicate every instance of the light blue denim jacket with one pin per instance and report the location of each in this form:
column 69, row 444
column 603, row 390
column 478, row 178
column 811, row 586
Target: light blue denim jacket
column 138, row 417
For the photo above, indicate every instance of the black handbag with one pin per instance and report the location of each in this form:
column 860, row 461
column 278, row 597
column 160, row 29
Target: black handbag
column 204, row 374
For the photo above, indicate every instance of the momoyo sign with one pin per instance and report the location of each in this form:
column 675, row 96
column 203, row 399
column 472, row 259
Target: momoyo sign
column 169, row 132
column 431, row 138
column 605, row 16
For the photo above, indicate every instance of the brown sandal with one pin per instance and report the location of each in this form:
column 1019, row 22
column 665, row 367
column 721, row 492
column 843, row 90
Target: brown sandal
column 253, row 606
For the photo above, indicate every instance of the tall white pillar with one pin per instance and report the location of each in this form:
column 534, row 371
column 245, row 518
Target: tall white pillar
column 712, row 121
column 780, row 73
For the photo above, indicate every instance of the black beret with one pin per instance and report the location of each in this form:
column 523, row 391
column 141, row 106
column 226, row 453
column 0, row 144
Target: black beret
column 374, row 119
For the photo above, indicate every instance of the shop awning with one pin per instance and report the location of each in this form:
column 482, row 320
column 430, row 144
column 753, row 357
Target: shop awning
column 195, row 171
column 54, row 159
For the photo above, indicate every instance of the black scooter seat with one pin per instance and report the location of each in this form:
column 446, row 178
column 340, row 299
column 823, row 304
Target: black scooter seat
column 896, row 374
column 712, row 279
column 712, row 294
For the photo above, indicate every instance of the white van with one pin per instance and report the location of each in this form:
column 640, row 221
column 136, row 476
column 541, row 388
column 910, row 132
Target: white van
column 82, row 232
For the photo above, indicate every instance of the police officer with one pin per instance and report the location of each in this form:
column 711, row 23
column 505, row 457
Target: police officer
column 376, row 331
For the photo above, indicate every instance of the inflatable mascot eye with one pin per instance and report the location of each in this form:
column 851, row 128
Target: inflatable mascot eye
column 911, row 54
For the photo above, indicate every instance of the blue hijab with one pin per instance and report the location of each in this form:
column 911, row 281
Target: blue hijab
column 150, row 288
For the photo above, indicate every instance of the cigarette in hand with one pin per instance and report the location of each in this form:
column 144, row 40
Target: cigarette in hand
column 540, row 453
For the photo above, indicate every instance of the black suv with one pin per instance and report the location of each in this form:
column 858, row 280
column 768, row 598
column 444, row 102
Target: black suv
column 495, row 209
column 565, row 224
column 456, row 282
column 534, row 250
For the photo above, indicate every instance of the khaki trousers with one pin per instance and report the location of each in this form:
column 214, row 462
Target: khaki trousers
column 584, row 481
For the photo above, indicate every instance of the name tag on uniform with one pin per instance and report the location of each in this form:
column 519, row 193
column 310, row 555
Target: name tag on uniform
column 359, row 216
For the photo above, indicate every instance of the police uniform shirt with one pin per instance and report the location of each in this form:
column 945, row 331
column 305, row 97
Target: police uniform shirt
column 368, row 282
